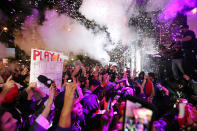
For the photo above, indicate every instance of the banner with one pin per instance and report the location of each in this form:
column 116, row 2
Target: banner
column 47, row 63
column 11, row 52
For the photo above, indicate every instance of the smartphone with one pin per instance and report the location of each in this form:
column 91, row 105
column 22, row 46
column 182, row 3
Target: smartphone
column 138, row 116
column 69, row 81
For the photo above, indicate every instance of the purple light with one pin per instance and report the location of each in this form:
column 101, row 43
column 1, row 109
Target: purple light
column 141, row 1
column 176, row 6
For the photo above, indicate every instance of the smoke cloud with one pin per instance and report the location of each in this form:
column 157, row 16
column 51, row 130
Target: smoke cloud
column 60, row 33
column 114, row 14
column 65, row 34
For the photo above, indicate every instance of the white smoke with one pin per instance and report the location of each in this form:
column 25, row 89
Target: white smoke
column 65, row 34
column 60, row 33
column 114, row 14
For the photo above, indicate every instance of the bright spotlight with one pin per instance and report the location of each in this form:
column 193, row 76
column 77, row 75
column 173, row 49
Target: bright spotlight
column 5, row 29
column 194, row 11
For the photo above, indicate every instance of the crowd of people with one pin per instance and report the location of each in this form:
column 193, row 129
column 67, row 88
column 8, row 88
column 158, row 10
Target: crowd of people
column 83, row 101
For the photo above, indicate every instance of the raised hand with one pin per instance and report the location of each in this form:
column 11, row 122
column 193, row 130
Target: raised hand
column 51, row 94
column 32, row 85
column 65, row 116
column 6, row 88
column 106, row 119
column 70, row 90
column 9, row 84
column 69, row 95
column 134, row 71
column 186, row 77
column 47, row 108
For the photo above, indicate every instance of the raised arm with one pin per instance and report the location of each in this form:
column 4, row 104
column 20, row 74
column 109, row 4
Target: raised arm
column 47, row 108
column 6, row 88
column 77, row 68
column 134, row 73
column 165, row 90
column 41, row 123
column 65, row 116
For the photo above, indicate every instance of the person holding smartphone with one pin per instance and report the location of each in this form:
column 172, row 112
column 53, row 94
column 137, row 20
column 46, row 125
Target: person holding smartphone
column 77, row 112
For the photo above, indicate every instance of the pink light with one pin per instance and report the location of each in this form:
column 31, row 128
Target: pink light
column 194, row 11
